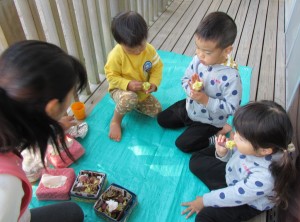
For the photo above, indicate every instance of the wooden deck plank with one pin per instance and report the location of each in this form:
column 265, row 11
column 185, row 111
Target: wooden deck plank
column 266, row 81
column 257, row 40
column 165, row 34
column 224, row 5
column 97, row 95
column 163, row 19
column 190, row 50
column 189, row 31
column 234, row 8
column 239, row 21
column 280, row 89
column 242, row 53
column 181, row 30
column 256, row 47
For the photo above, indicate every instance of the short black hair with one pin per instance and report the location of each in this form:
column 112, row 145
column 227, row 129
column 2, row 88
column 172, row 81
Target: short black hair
column 129, row 28
column 217, row 26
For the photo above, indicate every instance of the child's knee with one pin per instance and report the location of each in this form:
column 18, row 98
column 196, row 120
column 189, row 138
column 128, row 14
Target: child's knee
column 182, row 145
column 156, row 110
column 127, row 102
column 193, row 165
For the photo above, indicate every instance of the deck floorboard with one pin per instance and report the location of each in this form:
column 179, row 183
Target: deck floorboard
column 260, row 42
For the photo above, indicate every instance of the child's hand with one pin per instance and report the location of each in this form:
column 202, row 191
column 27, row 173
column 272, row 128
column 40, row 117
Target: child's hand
column 193, row 207
column 67, row 122
column 199, row 96
column 135, row 86
column 152, row 88
column 196, row 83
column 220, row 145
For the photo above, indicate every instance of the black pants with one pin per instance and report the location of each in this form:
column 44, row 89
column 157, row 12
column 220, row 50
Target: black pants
column 66, row 212
column 195, row 137
column 212, row 172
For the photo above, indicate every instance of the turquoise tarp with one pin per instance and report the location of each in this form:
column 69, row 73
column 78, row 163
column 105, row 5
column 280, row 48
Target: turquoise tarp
column 146, row 160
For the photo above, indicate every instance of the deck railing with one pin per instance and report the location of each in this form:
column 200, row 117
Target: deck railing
column 80, row 27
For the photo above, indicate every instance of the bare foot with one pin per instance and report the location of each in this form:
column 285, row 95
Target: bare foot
column 226, row 129
column 115, row 131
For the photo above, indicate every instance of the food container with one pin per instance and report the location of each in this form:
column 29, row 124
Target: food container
column 88, row 186
column 115, row 204
column 56, row 193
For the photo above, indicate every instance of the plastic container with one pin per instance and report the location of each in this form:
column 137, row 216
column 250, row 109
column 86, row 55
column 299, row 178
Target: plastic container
column 126, row 200
column 88, row 186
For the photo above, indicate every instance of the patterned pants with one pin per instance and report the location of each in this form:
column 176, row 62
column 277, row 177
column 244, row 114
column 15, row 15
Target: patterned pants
column 126, row 101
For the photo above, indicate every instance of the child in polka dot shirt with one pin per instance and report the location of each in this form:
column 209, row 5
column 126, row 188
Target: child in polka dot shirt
column 252, row 177
column 205, row 111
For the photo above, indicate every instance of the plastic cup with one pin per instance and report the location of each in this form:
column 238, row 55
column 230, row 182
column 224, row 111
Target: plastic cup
column 78, row 110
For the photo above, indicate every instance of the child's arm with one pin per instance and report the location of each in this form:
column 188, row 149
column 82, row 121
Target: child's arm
column 198, row 96
column 189, row 72
column 231, row 95
column 67, row 122
column 194, row 206
column 256, row 185
column 115, row 79
column 113, row 70
column 155, row 74
column 223, row 152
column 135, row 86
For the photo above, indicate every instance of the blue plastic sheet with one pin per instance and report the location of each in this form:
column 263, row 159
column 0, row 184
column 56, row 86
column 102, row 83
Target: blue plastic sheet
column 146, row 161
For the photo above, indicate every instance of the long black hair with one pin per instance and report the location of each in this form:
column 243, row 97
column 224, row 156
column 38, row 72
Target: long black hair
column 265, row 124
column 31, row 74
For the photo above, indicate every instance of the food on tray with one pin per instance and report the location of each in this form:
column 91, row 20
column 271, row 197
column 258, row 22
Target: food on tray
column 146, row 86
column 88, row 184
column 113, row 202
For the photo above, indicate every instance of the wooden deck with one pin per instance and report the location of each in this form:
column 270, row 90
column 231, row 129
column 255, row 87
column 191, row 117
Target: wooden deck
column 260, row 42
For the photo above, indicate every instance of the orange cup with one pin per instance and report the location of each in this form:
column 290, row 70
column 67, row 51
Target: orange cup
column 78, row 110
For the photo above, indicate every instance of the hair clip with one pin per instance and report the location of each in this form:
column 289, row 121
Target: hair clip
column 291, row 148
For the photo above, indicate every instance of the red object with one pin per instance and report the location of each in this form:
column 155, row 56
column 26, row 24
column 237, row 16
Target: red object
column 75, row 149
column 59, row 193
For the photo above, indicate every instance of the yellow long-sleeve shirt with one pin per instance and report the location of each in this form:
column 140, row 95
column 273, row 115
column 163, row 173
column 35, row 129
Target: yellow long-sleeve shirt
column 122, row 67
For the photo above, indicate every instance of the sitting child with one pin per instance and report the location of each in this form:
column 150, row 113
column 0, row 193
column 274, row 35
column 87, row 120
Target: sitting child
column 205, row 110
column 133, row 70
column 258, row 171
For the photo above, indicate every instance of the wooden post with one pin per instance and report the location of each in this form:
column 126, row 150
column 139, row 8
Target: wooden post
column 3, row 42
column 105, row 22
column 26, row 19
column 85, row 41
column 47, row 21
column 96, row 34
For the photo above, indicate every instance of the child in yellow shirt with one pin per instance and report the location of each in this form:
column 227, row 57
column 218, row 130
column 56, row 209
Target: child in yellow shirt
column 131, row 65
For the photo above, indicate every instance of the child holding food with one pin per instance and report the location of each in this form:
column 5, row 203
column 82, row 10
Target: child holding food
column 133, row 70
column 212, row 84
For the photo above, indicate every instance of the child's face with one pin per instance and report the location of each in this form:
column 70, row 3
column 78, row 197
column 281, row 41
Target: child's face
column 134, row 50
column 246, row 148
column 208, row 52
column 243, row 145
